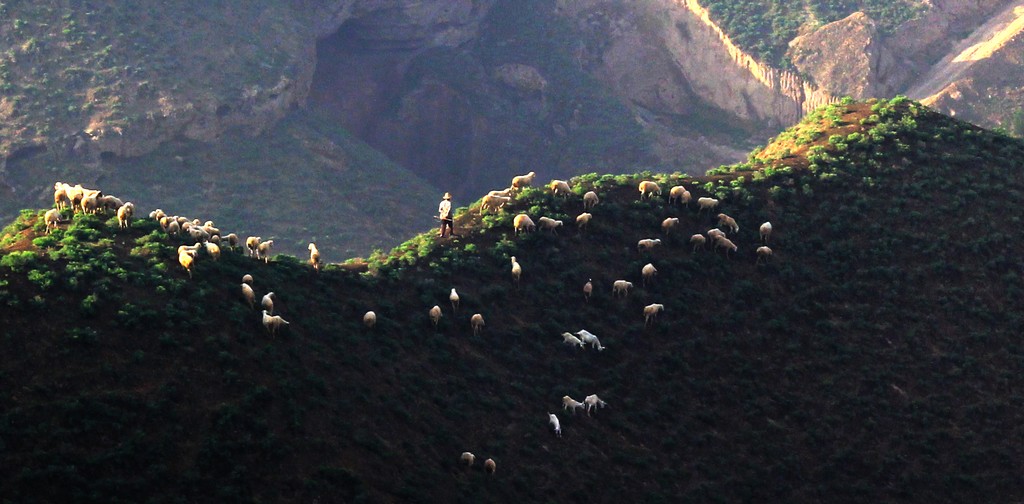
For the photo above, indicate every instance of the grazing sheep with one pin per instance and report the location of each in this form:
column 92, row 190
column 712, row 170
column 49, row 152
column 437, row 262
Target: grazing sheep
column 198, row 234
column 191, row 249
column 668, row 224
column 435, row 315
column 569, row 339
column 593, row 401
column 517, row 270
column 314, row 256
column 560, row 188
column 264, row 250
column 729, row 222
column 504, row 193
column 268, row 302
column 766, row 231
column 493, row 202
column 523, row 222
column 678, row 194
column 273, row 323
column 647, row 244
column 706, row 204
column 588, row 288
column 763, row 252
column 52, row 219
column 583, row 219
column 553, row 420
column 186, row 260
column 467, row 458
column 521, row 181
column 727, row 244
column 621, row 286
column 370, row 319
column 589, row 338
column 252, row 244
column 232, row 240
column 568, row 402
column 649, row 189
column 716, row 234
column 247, row 279
column 590, row 200
column 697, row 240
column 549, row 224
column 173, row 229
column 213, row 249
column 651, row 312
column 124, row 215
column 108, row 202
column 477, row 321
column 454, row 298
column 490, row 466
column 249, row 295
column 648, row 272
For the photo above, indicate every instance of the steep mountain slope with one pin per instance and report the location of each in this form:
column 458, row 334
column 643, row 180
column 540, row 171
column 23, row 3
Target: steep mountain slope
column 874, row 358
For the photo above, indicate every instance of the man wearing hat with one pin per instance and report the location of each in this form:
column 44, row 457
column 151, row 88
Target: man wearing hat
column 447, row 215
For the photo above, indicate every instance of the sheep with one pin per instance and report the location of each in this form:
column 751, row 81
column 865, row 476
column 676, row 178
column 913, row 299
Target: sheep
column 252, row 245
column 621, row 286
column 589, row 338
column 651, row 312
column 477, row 321
column 108, row 202
column 264, row 250
column 517, row 270
column 647, row 244
column 198, row 234
column 697, row 240
column 766, row 231
column 435, row 315
column 590, row 200
column 727, row 244
column 74, row 194
column 729, row 222
column 706, row 204
column 489, row 466
column 588, row 288
column 568, row 402
column 215, row 239
column 553, row 420
column 593, row 401
column 247, row 279
column 549, row 224
column 716, row 234
column 569, row 339
column 173, row 229
column 213, row 249
column 59, row 195
column 273, row 323
column 678, row 194
column 504, row 193
column 454, row 298
column 649, row 189
column 232, row 240
column 763, row 252
column 157, row 214
column 648, row 272
column 467, row 458
column 191, row 249
column 370, row 319
column 268, row 302
column 249, row 295
column 91, row 201
column 493, row 203
column 582, row 220
column 210, row 228
column 523, row 222
column 560, row 188
column 668, row 224
column 314, row 256
column 521, row 181
column 186, row 260
column 52, row 219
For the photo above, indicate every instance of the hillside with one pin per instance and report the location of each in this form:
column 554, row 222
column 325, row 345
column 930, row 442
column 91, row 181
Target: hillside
column 874, row 358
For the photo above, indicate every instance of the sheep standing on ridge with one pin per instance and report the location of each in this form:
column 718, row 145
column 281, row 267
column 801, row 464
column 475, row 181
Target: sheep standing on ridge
column 59, row 195
column 728, row 222
column 560, row 188
column 454, row 298
column 668, row 224
column 467, row 458
column 435, row 315
column 124, row 215
column 593, row 401
column 314, row 257
column 568, row 402
column 173, row 228
column 232, row 241
column 523, row 222
column 477, row 322
column 553, row 420
column 648, row 272
column 252, row 244
column 582, row 220
column 521, row 181
column 649, row 189
column 588, row 288
column 697, row 240
column 766, row 231
column 517, row 270
column 489, row 465
column 706, row 204
column 651, row 312
column 590, row 200
column 249, row 295
column 678, row 194
column 263, row 250
column 621, row 287
column 273, row 323
column 763, row 252
column 52, row 219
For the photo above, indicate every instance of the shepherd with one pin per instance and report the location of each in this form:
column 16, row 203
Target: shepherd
column 447, row 216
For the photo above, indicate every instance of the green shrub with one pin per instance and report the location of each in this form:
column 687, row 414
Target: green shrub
column 18, row 260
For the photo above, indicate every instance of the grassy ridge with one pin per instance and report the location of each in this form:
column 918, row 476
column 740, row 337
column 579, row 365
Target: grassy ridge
column 873, row 359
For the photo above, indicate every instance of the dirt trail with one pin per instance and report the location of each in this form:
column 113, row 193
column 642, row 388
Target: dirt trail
column 986, row 40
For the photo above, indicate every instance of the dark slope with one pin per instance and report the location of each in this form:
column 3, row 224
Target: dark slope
column 875, row 358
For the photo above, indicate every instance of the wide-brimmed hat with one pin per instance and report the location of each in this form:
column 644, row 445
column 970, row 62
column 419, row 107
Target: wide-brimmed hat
column 447, row 196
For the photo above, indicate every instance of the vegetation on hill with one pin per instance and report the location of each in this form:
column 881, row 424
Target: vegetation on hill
column 874, row 358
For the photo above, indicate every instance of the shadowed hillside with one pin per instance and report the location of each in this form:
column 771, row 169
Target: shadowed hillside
column 874, row 358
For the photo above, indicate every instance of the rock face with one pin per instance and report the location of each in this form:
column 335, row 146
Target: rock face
column 848, row 57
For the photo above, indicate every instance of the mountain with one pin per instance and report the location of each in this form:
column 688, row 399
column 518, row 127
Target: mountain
column 873, row 358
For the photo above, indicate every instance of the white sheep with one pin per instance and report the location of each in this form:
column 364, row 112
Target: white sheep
column 493, row 202
column 766, row 231
column 590, row 200
column 523, row 222
column 124, row 215
column 454, row 298
column 59, row 195
column 553, row 420
column 648, row 272
column 198, row 234
column 191, row 249
column 706, row 204
column 697, row 240
column 370, row 319
column 249, row 295
column 52, row 219
column 247, row 279
column 593, row 401
column 490, row 466
column 668, row 224
column 568, row 402
column 91, row 201
column 621, row 287
column 173, row 228
column 504, row 193
column 716, row 234
column 263, row 250
column 560, row 188
column 588, row 288
column 729, row 222
column 678, row 194
column 252, row 244
column 589, row 338
column 647, row 244
column 517, row 270
column 763, row 252
column 477, row 322
column 232, row 240
column 583, row 220
column 273, row 323
column 268, row 302
column 314, row 256
column 157, row 214
column 649, row 189
column 213, row 249
column 467, row 458
column 109, row 202
column 569, row 339
column 651, row 312
column 435, row 315
column 727, row 244
column 549, row 224
column 187, row 260
column 521, row 181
